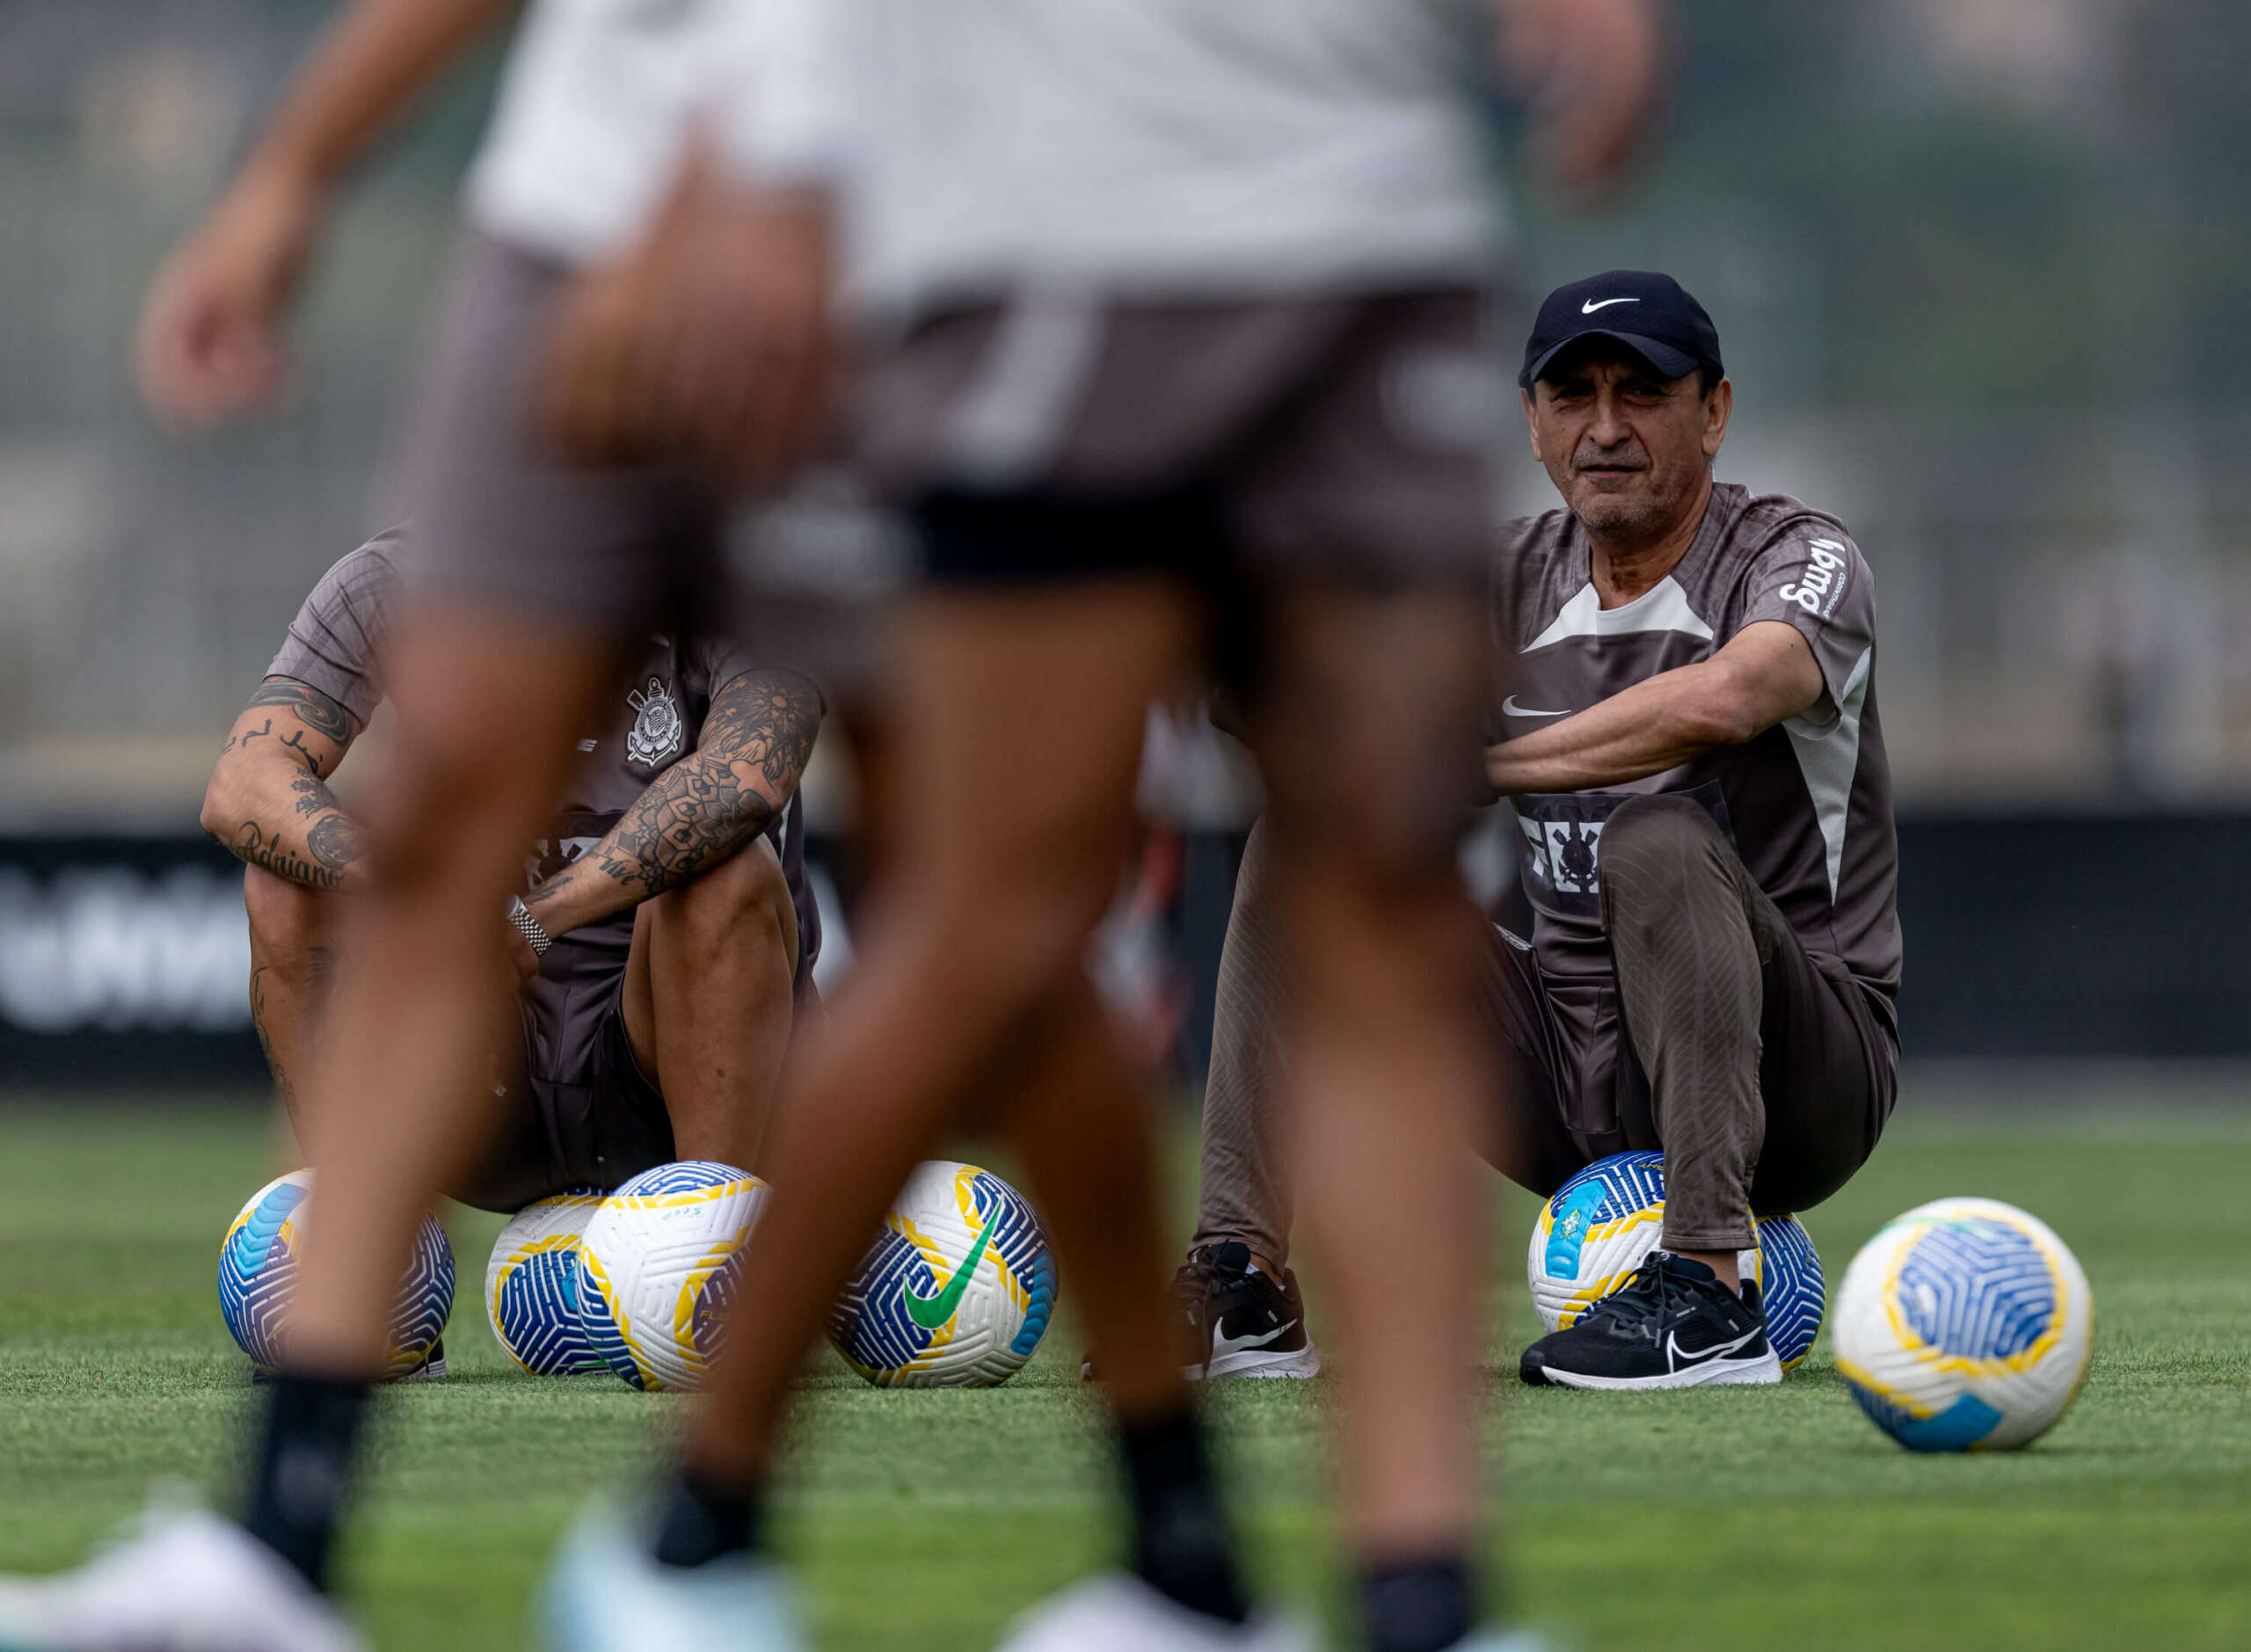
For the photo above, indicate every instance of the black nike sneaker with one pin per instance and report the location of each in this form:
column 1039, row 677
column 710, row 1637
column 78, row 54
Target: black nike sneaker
column 1232, row 1319
column 1673, row 1325
column 1238, row 1321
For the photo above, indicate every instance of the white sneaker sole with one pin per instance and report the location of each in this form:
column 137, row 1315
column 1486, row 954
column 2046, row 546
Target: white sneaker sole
column 1262, row 1362
column 1711, row 1374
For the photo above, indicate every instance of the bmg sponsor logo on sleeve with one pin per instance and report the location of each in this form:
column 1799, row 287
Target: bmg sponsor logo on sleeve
column 1822, row 586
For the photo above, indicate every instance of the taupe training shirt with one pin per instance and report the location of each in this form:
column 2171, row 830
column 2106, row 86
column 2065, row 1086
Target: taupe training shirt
column 1807, row 804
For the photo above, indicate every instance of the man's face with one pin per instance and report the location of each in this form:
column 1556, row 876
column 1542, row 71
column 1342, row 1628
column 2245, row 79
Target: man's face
column 1626, row 450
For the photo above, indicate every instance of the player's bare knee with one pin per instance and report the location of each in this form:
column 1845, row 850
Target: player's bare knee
column 287, row 921
column 745, row 897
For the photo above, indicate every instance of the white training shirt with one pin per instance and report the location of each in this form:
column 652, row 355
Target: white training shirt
column 1190, row 146
column 598, row 97
column 1161, row 146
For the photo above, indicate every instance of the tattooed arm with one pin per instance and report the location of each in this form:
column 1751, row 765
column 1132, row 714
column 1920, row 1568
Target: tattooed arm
column 746, row 765
column 268, row 800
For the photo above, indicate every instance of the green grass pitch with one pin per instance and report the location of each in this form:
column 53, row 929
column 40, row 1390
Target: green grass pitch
column 1746, row 1518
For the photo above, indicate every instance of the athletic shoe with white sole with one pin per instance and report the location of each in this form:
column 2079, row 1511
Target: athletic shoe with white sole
column 186, row 1580
column 1118, row 1613
column 607, row 1593
column 1240, row 1320
column 1674, row 1325
column 1230, row 1318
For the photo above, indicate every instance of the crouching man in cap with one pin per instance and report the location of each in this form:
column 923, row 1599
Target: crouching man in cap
column 1685, row 725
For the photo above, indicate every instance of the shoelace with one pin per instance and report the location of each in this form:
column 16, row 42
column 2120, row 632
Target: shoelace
column 1643, row 1303
column 1193, row 1287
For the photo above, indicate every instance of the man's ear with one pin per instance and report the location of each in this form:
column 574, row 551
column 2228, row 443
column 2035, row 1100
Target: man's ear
column 1531, row 424
column 1717, row 411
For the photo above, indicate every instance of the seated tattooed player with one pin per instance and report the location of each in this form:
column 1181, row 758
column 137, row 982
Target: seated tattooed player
column 1685, row 679
column 667, row 928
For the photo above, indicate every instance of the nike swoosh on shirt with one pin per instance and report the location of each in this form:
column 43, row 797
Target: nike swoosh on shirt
column 1593, row 304
column 1681, row 1358
column 930, row 1313
column 1511, row 708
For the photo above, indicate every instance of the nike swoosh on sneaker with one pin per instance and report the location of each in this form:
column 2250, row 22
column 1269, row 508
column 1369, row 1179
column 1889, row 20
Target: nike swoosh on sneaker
column 1222, row 1343
column 1681, row 1358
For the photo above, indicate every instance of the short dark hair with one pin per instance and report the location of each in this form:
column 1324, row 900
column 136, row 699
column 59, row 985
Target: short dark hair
column 1708, row 380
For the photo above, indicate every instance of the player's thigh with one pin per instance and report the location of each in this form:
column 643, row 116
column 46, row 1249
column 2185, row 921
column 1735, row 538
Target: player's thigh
column 489, row 704
column 1366, row 723
column 1523, row 1135
column 1364, row 523
column 1021, row 709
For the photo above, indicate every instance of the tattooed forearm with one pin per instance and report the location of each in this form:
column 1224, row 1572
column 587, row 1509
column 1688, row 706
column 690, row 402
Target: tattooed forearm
column 756, row 743
column 321, row 714
column 254, row 843
column 334, row 837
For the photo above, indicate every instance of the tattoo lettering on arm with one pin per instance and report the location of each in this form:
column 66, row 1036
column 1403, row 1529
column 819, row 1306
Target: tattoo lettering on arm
column 270, row 802
column 253, row 844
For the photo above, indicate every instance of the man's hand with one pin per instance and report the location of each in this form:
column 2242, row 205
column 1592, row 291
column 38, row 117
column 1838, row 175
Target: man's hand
column 210, row 345
column 712, row 339
column 1595, row 70
column 521, row 955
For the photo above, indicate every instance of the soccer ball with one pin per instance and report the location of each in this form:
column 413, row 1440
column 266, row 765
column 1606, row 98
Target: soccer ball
column 1602, row 1224
column 1964, row 1325
column 531, row 1285
column 957, row 1290
column 656, row 1270
column 257, row 1275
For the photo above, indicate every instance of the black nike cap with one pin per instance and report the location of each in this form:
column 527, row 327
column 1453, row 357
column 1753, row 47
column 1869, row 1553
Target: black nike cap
column 1651, row 315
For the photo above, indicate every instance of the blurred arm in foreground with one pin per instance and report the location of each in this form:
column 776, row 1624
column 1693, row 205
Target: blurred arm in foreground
column 209, row 346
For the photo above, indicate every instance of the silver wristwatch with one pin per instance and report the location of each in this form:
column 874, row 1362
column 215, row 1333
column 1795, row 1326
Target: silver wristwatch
column 528, row 925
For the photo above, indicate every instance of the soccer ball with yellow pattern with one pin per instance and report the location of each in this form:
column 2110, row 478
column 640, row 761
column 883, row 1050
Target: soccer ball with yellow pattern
column 957, row 1290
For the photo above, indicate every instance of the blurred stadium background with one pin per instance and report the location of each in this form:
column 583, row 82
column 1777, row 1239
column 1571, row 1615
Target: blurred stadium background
column 1977, row 263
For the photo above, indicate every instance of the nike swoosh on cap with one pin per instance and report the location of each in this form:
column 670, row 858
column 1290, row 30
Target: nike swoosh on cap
column 1593, row 304
column 1511, row 708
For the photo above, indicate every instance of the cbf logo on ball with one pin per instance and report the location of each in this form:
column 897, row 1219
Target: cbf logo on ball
column 957, row 1290
column 1603, row 1223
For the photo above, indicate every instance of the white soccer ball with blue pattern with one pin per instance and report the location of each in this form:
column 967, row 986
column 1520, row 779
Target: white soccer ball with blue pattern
column 1602, row 1224
column 1964, row 1325
column 957, row 1290
column 258, row 1275
column 657, row 1268
column 531, row 1285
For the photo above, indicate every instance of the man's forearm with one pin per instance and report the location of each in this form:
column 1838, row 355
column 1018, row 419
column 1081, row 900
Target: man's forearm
column 692, row 816
column 285, row 820
column 1645, row 730
column 375, row 60
column 756, row 743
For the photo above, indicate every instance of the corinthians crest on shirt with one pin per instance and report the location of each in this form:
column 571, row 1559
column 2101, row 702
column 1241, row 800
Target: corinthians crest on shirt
column 655, row 736
column 1563, row 840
